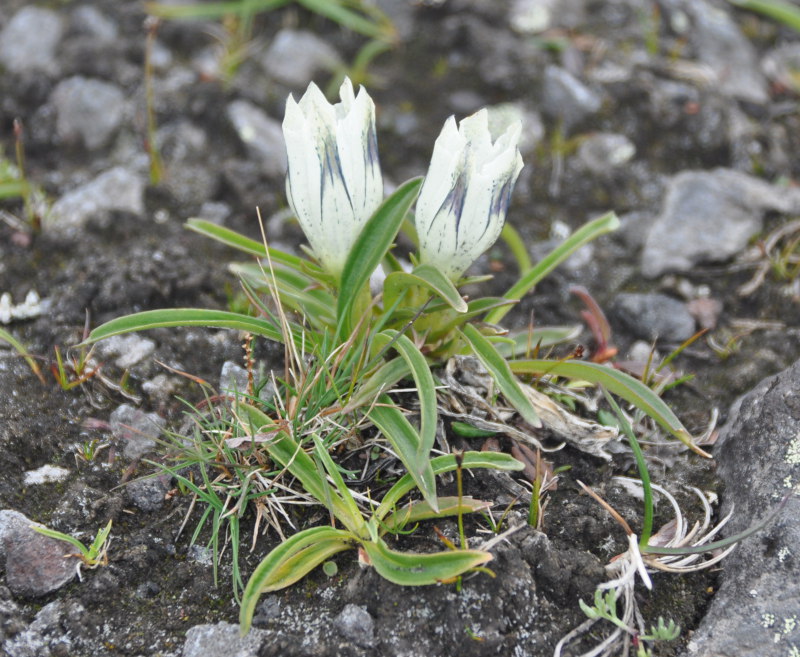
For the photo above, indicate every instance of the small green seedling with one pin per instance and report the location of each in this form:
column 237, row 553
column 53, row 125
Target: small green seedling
column 93, row 556
column 605, row 607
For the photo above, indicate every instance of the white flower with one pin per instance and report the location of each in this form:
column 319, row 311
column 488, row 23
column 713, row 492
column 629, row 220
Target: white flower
column 334, row 179
column 464, row 199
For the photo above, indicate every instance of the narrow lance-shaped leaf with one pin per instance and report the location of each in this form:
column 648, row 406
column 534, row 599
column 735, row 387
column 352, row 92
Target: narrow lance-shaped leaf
column 442, row 464
column 290, row 562
column 529, row 279
column 498, row 367
column 414, row 569
column 245, row 244
column 176, row 317
column 426, row 389
column 406, row 442
column 621, row 384
column 371, row 246
column 427, row 277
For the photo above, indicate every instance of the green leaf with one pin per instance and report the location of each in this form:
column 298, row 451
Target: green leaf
column 530, row 278
column 290, row 562
column 296, row 291
column 345, row 494
column 175, row 317
column 406, row 443
column 371, row 246
column 422, row 510
column 7, row 337
column 621, row 384
column 785, row 12
column 516, row 244
column 336, row 11
column 415, row 569
column 521, row 341
column 426, row 388
column 384, row 378
column 13, row 188
column 424, row 276
column 59, row 536
column 238, row 241
column 440, row 465
column 498, row 367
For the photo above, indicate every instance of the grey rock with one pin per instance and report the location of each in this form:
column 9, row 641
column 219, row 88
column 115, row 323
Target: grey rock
column 356, row 625
column 89, row 20
column 184, row 150
column 721, row 45
column 602, row 152
column 233, row 377
column 223, row 640
column 566, row 98
column 535, row 16
column 709, row 216
column 39, row 637
column 35, row 565
column 755, row 612
column 19, row 52
column 11, row 522
column 126, row 350
column 88, row 111
column 295, row 57
column 148, row 494
column 262, row 136
column 651, row 316
column 116, row 189
column 136, row 429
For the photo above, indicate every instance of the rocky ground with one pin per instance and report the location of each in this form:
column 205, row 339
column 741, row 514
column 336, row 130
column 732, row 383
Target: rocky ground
column 681, row 115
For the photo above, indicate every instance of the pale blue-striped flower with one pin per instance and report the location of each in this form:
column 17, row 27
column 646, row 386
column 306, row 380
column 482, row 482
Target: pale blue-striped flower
column 463, row 202
column 334, row 179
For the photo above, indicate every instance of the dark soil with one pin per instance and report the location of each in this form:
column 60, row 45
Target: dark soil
column 154, row 588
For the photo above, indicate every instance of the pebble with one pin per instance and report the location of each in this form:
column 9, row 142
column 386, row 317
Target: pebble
column 47, row 474
column 136, row 429
column 605, row 151
column 88, row 111
column 709, row 216
column 119, row 189
column 755, row 612
column 566, row 98
column 261, row 135
column 127, row 350
column 232, row 378
column 89, row 20
column 19, row 53
column 148, row 494
column 356, row 625
column 295, row 57
column 732, row 57
column 223, row 640
column 651, row 316
column 35, row 564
